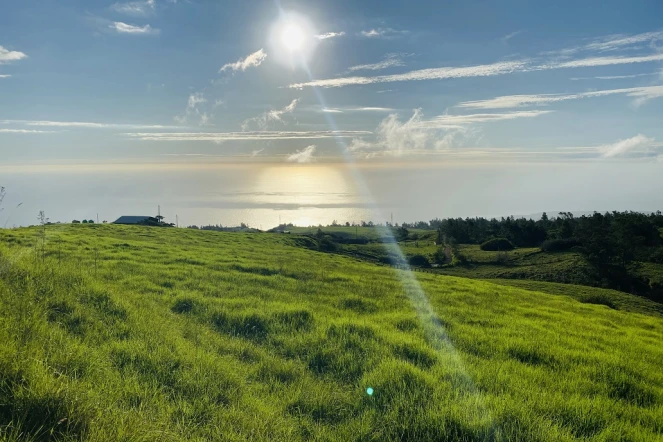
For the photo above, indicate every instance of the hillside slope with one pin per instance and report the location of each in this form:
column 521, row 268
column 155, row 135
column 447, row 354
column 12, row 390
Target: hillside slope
column 138, row 333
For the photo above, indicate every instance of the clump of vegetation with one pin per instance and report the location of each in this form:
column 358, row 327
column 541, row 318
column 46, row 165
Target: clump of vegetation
column 497, row 245
column 419, row 261
column 559, row 245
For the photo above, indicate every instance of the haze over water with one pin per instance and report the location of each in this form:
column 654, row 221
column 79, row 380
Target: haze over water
column 264, row 195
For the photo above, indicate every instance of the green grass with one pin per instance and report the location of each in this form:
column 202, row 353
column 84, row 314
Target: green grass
column 137, row 333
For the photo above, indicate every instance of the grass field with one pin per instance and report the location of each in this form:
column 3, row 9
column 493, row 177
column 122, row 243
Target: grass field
column 141, row 334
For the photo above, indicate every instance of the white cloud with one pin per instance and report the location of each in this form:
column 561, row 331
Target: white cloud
column 508, row 37
column 601, row 61
column 613, row 77
column 135, row 8
column 617, row 42
column 504, row 67
column 25, row 131
column 5, row 76
column 87, row 125
column 626, row 146
column 499, row 68
column 7, row 56
column 382, row 33
column 329, row 35
column 340, row 110
column 245, row 136
column 398, row 137
column 243, row 64
column 302, row 156
column 390, row 60
column 124, row 28
column 457, row 121
column 641, row 94
column 192, row 108
column 262, row 121
column 255, row 153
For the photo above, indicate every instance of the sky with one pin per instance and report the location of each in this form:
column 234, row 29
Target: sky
column 148, row 85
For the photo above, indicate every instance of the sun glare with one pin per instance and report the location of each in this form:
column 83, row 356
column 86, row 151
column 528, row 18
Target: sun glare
column 292, row 37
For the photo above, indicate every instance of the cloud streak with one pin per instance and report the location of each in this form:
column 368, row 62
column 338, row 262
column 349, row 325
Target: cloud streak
column 245, row 136
column 7, row 56
column 302, row 156
column 328, row 35
column 25, row 131
column 124, row 28
column 86, row 125
column 642, row 94
column 135, row 8
column 252, row 60
column 499, row 68
column 390, row 60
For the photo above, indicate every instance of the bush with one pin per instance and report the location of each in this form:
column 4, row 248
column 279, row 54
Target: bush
column 419, row 261
column 558, row 245
column 657, row 256
column 497, row 245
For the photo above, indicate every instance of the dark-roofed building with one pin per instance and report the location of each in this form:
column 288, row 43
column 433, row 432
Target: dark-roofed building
column 150, row 220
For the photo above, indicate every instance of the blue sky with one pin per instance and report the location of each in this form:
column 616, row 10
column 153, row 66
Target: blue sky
column 169, row 81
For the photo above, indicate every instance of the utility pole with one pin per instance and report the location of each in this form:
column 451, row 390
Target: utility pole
column 97, row 218
column 159, row 214
column 177, row 221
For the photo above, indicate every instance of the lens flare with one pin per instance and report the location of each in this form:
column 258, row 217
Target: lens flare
column 292, row 37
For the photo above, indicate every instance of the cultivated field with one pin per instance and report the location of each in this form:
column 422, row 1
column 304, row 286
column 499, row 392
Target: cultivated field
column 138, row 333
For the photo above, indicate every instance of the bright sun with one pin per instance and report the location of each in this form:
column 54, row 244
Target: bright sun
column 292, row 37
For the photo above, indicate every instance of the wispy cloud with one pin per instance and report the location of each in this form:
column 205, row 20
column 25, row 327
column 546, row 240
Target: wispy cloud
column 419, row 134
column 390, row 60
column 600, row 61
column 613, row 77
column 508, row 37
column 7, row 56
column 5, row 76
column 25, row 131
column 499, row 68
column 642, row 94
column 382, row 33
column 192, row 108
column 617, row 42
column 245, row 136
column 328, row 35
column 262, row 121
column 340, row 110
column 302, row 156
column 257, row 152
column 138, row 8
column 624, row 147
column 124, row 28
column 243, row 64
column 87, row 125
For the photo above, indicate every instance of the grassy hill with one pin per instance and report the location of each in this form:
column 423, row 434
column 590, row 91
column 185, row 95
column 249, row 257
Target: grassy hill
column 138, row 333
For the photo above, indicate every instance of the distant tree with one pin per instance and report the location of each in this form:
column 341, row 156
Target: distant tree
column 347, row 224
column 75, row 221
column 90, row 221
column 402, row 233
column 419, row 261
column 84, row 221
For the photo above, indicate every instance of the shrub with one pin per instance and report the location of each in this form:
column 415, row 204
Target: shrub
column 419, row 261
column 657, row 255
column 558, row 245
column 497, row 245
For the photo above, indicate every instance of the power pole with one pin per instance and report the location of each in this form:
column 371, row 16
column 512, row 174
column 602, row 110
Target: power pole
column 97, row 218
column 159, row 214
column 177, row 221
